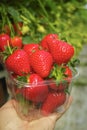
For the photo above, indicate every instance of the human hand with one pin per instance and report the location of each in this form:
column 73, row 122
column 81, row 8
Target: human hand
column 9, row 120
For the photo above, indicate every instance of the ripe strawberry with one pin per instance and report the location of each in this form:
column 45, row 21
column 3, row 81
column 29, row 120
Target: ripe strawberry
column 30, row 48
column 18, row 27
column 61, row 51
column 41, row 61
column 16, row 42
column 4, row 40
column 6, row 29
column 36, row 91
column 46, row 39
column 68, row 74
column 18, row 62
column 53, row 101
column 56, row 86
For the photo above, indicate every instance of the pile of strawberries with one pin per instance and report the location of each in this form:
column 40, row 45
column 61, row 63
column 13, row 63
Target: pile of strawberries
column 42, row 68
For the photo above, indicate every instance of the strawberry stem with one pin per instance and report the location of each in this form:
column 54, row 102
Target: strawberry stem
column 26, row 21
column 47, row 16
column 9, row 48
column 10, row 26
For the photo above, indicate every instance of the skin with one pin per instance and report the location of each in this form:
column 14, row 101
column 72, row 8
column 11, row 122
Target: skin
column 9, row 120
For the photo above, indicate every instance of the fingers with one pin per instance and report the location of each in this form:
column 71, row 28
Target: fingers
column 55, row 116
column 45, row 123
column 8, row 104
column 9, row 120
column 48, row 123
column 40, row 124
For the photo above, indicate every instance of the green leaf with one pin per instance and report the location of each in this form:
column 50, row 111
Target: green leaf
column 14, row 13
column 75, row 62
column 27, row 39
column 22, row 79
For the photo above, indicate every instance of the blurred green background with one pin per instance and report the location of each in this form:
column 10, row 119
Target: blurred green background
column 67, row 18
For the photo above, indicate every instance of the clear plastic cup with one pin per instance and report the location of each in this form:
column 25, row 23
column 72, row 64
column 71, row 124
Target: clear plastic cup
column 30, row 98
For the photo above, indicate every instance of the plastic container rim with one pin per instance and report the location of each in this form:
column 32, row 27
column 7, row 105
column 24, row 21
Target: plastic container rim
column 45, row 82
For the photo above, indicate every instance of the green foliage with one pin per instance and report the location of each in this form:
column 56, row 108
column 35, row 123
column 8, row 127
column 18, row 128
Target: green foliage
column 67, row 18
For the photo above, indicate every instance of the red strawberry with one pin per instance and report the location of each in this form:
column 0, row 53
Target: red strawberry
column 16, row 42
column 4, row 40
column 57, row 86
column 29, row 48
column 68, row 74
column 41, row 61
column 53, row 101
column 18, row 27
column 18, row 62
column 61, row 51
column 36, row 91
column 6, row 29
column 48, row 38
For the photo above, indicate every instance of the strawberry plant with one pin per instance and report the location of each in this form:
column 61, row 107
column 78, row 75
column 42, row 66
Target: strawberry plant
column 66, row 18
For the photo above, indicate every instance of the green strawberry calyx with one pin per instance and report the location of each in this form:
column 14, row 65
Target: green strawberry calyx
column 21, row 80
column 74, row 62
column 8, row 51
column 57, row 73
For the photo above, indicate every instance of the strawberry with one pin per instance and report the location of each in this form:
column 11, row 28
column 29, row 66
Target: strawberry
column 68, row 74
column 35, row 90
column 18, row 62
column 29, row 48
column 6, row 29
column 41, row 61
column 61, row 51
column 16, row 42
column 48, row 38
column 18, row 27
column 52, row 102
column 4, row 40
column 56, row 86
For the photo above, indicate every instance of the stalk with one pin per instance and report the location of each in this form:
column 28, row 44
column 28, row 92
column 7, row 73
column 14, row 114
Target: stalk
column 10, row 26
column 46, row 14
